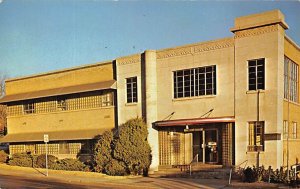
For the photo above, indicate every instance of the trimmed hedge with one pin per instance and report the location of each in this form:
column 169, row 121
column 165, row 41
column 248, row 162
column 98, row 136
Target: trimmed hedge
column 69, row 165
column 22, row 159
column 3, row 156
column 41, row 161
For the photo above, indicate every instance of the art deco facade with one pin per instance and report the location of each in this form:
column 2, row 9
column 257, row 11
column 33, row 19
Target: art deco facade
column 224, row 100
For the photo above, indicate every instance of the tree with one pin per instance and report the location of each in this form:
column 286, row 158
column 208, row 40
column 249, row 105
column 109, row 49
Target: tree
column 2, row 107
column 103, row 151
column 127, row 153
column 132, row 146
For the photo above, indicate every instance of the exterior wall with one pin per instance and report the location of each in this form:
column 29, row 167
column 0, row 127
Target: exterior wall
column 291, row 112
column 70, row 77
column 219, row 53
column 254, row 43
column 128, row 67
column 97, row 118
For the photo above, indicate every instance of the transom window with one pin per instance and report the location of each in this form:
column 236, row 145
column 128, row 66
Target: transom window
column 195, row 82
column 291, row 80
column 256, row 74
column 131, row 84
column 256, row 136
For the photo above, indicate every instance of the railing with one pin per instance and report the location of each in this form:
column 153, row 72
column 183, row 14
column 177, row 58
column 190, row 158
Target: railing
column 195, row 159
column 234, row 167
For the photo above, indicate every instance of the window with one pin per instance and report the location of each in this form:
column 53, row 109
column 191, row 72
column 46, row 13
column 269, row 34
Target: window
column 28, row 108
column 285, row 129
column 294, row 134
column 256, row 74
column 256, row 136
column 195, row 82
column 291, row 80
column 131, row 84
column 61, row 104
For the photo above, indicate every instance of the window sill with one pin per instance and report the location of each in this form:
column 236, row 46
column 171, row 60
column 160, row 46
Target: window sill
column 193, row 98
column 255, row 91
column 131, row 104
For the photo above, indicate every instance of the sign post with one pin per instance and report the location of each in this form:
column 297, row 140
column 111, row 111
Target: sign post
column 46, row 140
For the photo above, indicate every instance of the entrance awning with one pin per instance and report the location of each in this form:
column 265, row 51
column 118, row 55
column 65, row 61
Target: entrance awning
column 60, row 91
column 53, row 136
column 194, row 121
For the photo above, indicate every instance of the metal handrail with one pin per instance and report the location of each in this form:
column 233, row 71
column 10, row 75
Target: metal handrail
column 195, row 159
column 235, row 166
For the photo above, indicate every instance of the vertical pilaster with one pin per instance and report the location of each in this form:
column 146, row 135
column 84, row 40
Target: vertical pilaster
column 150, row 103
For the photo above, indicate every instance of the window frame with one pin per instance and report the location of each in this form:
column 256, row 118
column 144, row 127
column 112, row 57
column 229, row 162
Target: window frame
column 253, row 136
column 291, row 80
column 29, row 107
column 194, row 82
column 131, row 91
column 263, row 77
column 294, row 131
column 285, row 129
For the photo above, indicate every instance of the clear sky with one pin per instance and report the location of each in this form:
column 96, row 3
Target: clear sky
column 44, row 35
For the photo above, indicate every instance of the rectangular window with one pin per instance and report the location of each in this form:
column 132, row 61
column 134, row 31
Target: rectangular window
column 256, row 136
column 131, row 86
column 256, row 74
column 28, row 107
column 291, row 80
column 195, row 82
column 294, row 134
column 61, row 104
column 285, row 129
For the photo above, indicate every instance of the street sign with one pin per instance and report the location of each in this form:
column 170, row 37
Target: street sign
column 46, row 138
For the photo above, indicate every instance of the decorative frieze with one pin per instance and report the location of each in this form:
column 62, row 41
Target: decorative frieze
column 197, row 48
column 174, row 52
column 129, row 60
column 256, row 31
column 214, row 45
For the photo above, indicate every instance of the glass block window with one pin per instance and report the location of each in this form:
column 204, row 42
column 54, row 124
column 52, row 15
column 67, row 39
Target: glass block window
column 256, row 74
column 131, row 87
column 195, row 82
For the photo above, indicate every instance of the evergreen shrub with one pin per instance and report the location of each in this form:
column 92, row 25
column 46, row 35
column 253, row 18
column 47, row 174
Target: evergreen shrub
column 3, row 156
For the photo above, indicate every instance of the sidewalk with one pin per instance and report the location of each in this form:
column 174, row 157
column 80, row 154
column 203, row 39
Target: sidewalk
column 96, row 179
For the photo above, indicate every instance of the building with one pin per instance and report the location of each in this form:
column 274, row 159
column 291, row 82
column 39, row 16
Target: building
column 226, row 101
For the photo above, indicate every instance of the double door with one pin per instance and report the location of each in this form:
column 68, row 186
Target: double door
column 206, row 145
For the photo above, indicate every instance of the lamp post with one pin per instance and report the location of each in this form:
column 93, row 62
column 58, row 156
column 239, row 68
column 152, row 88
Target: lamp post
column 46, row 140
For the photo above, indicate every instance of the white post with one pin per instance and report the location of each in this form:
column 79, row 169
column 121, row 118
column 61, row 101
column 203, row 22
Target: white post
column 46, row 140
column 46, row 146
column 203, row 146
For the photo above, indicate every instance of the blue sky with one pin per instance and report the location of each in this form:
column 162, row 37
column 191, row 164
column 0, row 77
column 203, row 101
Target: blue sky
column 44, row 35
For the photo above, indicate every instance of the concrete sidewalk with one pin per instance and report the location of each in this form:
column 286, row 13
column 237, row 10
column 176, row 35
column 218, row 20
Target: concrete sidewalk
column 96, row 179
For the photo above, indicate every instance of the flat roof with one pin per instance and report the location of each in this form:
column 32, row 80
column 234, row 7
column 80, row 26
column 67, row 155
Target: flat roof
column 111, row 84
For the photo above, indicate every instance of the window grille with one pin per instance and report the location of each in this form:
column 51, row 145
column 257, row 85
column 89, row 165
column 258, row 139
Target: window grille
column 256, row 74
column 195, row 82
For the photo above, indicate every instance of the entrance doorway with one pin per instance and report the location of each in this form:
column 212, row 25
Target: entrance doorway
column 206, row 145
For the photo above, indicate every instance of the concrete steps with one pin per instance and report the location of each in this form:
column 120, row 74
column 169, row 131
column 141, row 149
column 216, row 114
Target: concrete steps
column 199, row 171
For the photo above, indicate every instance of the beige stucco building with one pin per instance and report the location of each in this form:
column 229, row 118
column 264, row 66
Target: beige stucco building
column 226, row 101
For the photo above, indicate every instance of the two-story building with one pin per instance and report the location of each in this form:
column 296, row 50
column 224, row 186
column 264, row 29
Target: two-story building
column 226, row 101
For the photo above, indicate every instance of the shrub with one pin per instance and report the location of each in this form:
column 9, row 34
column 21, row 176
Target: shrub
column 132, row 146
column 249, row 175
column 103, row 151
column 41, row 161
column 116, row 168
column 69, row 165
column 22, row 159
column 3, row 156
